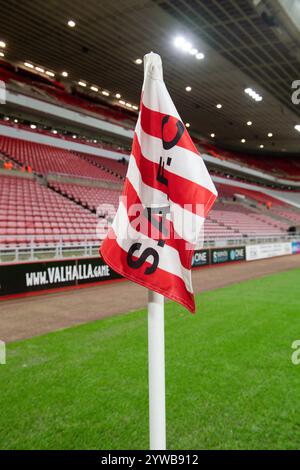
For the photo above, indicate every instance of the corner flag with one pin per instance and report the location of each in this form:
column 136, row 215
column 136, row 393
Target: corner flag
column 167, row 194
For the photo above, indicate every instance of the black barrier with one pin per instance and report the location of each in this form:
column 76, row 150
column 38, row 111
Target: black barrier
column 228, row 255
column 38, row 275
column 29, row 277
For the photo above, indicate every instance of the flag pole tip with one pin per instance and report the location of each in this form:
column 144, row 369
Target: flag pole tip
column 153, row 66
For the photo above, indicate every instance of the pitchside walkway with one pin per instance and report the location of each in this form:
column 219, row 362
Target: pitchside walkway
column 27, row 317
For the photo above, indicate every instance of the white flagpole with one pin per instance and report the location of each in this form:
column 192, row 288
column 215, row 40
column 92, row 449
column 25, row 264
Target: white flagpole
column 156, row 361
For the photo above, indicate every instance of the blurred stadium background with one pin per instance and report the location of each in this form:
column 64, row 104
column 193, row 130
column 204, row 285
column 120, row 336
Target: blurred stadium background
column 71, row 76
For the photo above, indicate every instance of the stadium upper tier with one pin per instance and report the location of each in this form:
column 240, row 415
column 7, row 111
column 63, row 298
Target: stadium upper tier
column 76, row 98
column 55, row 92
column 46, row 159
column 228, row 191
column 279, row 166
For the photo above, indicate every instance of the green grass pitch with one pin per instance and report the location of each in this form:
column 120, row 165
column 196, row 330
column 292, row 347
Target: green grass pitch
column 230, row 381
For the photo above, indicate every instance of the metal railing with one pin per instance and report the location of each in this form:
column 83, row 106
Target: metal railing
column 29, row 248
column 17, row 249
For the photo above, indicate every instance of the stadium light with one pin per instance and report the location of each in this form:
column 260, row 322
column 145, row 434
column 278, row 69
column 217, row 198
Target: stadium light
column 71, row 23
column 118, row 95
column 219, row 106
column 29, row 65
column 249, row 123
column 297, row 127
column 185, row 46
column 94, row 88
column 179, row 41
column 122, row 102
column 2, row 44
column 129, row 105
column 187, row 124
column 51, row 74
column 270, row 134
column 135, row 107
column 64, row 74
column 188, row 88
column 138, row 61
column 39, row 69
column 243, row 141
column 2, row 54
column 253, row 94
column 213, row 135
column 32, row 126
column 82, row 83
column 105, row 93
column 261, row 146
column 54, row 131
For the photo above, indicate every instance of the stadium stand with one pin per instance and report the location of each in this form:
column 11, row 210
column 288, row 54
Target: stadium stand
column 115, row 167
column 228, row 191
column 293, row 216
column 51, row 90
column 45, row 159
column 6, row 163
column 245, row 222
column 30, row 212
column 46, row 210
column 276, row 165
column 88, row 196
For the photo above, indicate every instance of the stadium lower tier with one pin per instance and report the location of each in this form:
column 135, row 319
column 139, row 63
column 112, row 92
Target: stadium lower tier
column 32, row 212
column 91, row 197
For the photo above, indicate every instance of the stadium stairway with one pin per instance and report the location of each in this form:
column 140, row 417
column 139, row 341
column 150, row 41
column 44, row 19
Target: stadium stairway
column 91, row 196
column 244, row 221
column 5, row 157
column 57, row 189
column 98, row 162
column 275, row 219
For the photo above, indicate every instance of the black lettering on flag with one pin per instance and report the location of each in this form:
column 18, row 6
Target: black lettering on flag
column 161, row 172
column 135, row 264
column 180, row 130
column 160, row 222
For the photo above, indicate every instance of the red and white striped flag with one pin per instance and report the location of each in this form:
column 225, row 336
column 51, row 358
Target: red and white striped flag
column 167, row 194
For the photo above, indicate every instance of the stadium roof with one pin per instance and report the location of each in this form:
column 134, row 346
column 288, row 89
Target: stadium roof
column 246, row 44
